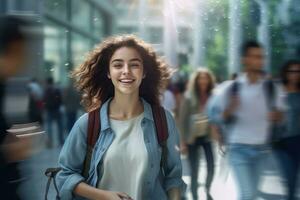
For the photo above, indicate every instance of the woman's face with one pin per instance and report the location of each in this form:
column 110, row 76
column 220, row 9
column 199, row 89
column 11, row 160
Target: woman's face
column 293, row 74
column 126, row 70
column 203, row 81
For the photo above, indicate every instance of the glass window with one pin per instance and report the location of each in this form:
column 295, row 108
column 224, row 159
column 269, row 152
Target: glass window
column 98, row 24
column 57, row 8
column 55, row 52
column 155, row 35
column 127, row 30
column 81, row 15
column 80, row 48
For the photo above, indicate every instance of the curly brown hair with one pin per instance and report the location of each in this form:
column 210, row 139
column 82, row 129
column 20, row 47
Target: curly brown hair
column 91, row 76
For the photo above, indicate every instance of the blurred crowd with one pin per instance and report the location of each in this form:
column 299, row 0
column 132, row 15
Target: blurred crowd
column 53, row 107
column 248, row 116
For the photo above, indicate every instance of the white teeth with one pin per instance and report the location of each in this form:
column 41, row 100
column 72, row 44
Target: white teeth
column 126, row 81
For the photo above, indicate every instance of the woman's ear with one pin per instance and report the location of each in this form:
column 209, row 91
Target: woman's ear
column 144, row 76
column 108, row 76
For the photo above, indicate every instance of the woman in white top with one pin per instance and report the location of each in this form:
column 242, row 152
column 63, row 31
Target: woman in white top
column 123, row 76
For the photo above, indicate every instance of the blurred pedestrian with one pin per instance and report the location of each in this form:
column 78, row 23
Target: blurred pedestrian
column 288, row 144
column 12, row 58
column 71, row 99
column 247, row 107
column 123, row 76
column 195, row 128
column 53, row 103
column 35, row 105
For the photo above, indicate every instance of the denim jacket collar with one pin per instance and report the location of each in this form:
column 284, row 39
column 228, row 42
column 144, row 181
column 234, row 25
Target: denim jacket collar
column 105, row 118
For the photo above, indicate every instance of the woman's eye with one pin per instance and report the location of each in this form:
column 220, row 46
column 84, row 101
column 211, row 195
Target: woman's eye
column 135, row 65
column 117, row 65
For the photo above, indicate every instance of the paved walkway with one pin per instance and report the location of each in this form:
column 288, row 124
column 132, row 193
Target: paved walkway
column 223, row 187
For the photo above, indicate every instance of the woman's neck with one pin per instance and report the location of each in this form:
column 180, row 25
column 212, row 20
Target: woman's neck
column 203, row 93
column 123, row 107
column 202, row 96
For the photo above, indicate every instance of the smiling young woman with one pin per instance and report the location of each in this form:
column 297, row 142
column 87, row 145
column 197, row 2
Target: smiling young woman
column 122, row 76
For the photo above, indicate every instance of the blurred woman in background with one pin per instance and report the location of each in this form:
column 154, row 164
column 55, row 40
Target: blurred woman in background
column 195, row 128
column 288, row 149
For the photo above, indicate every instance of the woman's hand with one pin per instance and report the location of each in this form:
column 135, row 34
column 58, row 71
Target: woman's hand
column 115, row 196
column 89, row 192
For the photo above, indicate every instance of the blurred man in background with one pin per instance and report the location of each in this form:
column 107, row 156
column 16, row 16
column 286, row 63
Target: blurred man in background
column 53, row 102
column 243, row 107
column 12, row 149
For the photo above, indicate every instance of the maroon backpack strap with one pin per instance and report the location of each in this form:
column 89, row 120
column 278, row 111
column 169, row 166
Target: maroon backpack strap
column 94, row 127
column 161, row 126
column 93, row 132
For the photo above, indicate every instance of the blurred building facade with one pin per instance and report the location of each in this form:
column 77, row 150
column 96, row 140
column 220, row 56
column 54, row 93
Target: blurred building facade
column 289, row 12
column 68, row 29
column 64, row 31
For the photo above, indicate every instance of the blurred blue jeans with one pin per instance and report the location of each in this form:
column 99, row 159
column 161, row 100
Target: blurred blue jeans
column 245, row 161
column 194, row 158
column 288, row 155
column 55, row 116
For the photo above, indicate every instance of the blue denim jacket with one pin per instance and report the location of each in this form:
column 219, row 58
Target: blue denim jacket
column 155, row 185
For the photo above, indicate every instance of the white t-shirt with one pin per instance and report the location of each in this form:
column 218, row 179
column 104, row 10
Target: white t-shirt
column 126, row 160
column 251, row 126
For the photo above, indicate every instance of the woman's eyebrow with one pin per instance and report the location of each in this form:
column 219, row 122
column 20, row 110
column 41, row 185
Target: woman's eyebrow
column 131, row 60
column 117, row 60
column 135, row 59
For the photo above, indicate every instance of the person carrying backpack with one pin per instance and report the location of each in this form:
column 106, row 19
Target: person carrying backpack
column 120, row 82
column 247, row 109
column 53, row 102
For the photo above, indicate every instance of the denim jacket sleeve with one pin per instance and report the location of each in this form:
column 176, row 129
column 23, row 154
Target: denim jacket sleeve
column 71, row 159
column 173, row 170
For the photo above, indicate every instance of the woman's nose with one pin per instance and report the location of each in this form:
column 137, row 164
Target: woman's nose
column 126, row 69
